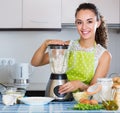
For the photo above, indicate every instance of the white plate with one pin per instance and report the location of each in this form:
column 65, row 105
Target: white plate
column 36, row 100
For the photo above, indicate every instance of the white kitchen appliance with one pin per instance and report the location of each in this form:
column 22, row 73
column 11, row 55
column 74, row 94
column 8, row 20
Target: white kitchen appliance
column 21, row 74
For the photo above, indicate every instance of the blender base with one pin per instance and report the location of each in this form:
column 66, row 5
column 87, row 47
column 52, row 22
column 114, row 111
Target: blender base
column 55, row 81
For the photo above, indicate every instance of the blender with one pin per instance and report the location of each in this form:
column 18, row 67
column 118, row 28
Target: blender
column 58, row 56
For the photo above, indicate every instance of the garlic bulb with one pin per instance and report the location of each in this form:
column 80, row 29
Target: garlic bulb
column 9, row 99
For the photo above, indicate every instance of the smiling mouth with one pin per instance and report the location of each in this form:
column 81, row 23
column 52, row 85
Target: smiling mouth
column 85, row 32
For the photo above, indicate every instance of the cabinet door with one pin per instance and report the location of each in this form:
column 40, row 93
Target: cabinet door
column 41, row 14
column 10, row 13
column 68, row 10
column 110, row 9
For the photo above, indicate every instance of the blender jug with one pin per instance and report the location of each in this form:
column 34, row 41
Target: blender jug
column 58, row 57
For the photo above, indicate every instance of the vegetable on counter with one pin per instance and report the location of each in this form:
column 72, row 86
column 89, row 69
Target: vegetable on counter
column 82, row 106
column 87, row 101
column 86, row 104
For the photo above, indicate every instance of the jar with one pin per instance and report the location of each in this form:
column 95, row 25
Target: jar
column 116, row 88
column 106, row 91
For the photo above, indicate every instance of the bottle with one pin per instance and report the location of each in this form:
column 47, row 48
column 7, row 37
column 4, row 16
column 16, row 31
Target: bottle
column 110, row 105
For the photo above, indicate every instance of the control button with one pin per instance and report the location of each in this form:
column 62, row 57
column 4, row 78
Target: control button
column 56, row 89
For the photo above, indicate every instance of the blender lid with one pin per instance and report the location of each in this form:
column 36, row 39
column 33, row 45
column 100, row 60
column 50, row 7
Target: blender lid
column 56, row 46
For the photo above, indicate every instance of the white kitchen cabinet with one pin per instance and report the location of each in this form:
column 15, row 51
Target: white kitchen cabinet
column 10, row 13
column 68, row 10
column 110, row 9
column 30, row 14
column 41, row 14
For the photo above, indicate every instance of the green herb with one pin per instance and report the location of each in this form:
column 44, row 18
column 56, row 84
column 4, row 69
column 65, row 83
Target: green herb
column 81, row 106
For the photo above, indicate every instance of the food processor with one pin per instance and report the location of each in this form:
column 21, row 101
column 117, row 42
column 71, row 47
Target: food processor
column 58, row 56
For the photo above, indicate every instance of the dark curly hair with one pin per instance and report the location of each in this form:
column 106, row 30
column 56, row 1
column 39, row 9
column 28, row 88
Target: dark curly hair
column 101, row 31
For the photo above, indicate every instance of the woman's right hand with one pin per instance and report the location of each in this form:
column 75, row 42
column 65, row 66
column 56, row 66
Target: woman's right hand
column 72, row 86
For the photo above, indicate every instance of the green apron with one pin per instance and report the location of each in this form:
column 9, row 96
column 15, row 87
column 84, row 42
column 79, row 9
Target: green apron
column 81, row 65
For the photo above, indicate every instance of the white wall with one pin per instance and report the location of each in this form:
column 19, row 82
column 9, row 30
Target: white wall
column 21, row 45
column 114, row 45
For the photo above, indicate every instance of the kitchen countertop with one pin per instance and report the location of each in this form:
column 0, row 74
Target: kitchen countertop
column 52, row 107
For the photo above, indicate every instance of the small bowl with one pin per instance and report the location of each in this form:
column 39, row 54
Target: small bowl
column 18, row 92
column 80, row 95
column 13, row 91
column 11, row 95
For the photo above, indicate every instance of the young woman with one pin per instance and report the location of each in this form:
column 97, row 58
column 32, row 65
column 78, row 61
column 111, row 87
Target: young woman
column 92, row 59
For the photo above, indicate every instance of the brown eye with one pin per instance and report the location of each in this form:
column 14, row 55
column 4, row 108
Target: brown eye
column 78, row 22
column 90, row 21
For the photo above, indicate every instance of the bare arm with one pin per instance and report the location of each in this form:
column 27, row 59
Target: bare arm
column 40, row 57
column 103, row 67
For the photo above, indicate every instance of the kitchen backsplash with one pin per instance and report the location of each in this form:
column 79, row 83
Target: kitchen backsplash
column 21, row 45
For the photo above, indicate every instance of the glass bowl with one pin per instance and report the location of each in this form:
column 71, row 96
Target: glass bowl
column 17, row 92
column 80, row 95
column 11, row 95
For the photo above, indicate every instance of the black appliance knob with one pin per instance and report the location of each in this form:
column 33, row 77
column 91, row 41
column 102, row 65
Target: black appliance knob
column 56, row 89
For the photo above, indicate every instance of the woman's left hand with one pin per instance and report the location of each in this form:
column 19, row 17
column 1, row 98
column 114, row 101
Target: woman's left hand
column 69, row 86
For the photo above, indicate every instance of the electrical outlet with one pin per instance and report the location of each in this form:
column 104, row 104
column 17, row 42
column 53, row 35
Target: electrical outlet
column 2, row 61
column 7, row 61
column 11, row 61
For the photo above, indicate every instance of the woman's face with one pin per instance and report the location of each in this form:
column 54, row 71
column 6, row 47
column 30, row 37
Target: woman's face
column 86, row 22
